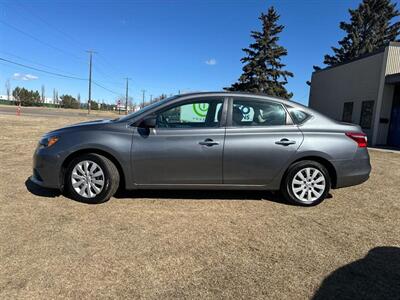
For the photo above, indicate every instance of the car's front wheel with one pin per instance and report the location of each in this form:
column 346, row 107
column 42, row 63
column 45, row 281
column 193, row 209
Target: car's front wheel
column 306, row 183
column 91, row 178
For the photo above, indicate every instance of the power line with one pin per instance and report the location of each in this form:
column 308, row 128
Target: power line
column 51, row 26
column 40, row 41
column 41, row 70
column 59, row 75
column 104, row 75
column 107, row 62
column 104, row 88
column 63, row 33
column 36, row 63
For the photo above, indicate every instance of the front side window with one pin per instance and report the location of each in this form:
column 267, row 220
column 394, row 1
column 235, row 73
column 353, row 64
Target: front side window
column 196, row 114
column 257, row 113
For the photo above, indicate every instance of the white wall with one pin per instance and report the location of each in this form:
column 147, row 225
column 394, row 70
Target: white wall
column 355, row 82
column 4, row 97
column 46, row 100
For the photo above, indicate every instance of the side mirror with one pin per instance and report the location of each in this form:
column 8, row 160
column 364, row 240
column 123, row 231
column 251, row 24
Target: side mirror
column 148, row 122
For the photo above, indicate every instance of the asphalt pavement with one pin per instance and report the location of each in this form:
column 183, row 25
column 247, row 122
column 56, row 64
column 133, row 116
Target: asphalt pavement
column 52, row 112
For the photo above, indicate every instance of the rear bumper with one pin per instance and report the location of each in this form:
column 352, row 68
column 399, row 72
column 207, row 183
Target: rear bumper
column 351, row 180
column 354, row 171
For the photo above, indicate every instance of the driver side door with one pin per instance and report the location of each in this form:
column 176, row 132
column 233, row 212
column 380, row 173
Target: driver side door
column 185, row 147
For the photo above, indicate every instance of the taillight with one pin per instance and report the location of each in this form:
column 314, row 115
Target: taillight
column 359, row 137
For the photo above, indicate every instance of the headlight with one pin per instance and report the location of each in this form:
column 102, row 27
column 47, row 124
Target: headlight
column 48, row 141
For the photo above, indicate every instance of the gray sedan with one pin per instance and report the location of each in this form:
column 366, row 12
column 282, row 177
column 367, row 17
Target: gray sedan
column 210, row 140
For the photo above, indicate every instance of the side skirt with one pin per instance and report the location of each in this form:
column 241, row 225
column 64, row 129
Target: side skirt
column 200, row 187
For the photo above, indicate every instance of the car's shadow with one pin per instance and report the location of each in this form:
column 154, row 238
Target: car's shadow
column 37, row 190
column 201, row 195
column 175, row 194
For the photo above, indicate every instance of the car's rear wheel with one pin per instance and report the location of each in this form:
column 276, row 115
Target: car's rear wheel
column 92, row 178
column 306, row 183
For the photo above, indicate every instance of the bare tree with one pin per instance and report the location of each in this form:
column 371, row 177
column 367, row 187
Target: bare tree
column 8, row 89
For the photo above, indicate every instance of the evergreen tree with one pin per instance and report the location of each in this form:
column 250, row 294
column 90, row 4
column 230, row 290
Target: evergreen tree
column 67, row 101
column 263, row 70
column 371, row 27
column 26, row 97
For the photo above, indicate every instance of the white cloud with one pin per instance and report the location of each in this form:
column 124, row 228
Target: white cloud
column 211, row 61
column 24, row 77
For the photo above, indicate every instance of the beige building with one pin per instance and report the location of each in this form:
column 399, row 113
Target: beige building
column 365, row 91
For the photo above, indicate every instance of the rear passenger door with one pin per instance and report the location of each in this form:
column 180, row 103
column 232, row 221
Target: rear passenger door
column 260, row 139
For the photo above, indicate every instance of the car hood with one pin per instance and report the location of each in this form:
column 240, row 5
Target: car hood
column 82, row 125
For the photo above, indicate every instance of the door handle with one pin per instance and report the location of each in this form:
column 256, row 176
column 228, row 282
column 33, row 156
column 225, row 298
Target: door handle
column 208, row 142
column 285, row 142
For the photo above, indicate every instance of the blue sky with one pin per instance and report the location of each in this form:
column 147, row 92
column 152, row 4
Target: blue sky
column 164, row 46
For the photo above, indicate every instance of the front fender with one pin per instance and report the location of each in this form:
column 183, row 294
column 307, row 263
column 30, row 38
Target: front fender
column 115, row 144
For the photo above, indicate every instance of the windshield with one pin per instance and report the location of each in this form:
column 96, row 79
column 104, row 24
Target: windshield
column 145, row 109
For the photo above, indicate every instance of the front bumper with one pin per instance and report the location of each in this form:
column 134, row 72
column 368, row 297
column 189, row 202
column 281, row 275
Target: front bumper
column 46, row 168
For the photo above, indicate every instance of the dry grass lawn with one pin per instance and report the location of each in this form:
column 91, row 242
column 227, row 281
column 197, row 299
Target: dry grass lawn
column 193, row 245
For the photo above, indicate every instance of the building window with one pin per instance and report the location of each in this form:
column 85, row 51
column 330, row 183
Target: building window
column 367, row 109
column 347, row 112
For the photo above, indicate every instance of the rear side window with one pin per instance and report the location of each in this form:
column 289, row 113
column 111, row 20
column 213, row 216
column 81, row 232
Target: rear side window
column 257, row 113
column 298, row 116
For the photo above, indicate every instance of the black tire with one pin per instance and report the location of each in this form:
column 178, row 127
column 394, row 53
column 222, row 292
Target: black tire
column 287, row 190
column 111, row 178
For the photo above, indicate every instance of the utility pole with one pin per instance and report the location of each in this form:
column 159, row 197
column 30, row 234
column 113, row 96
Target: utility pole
column 143, row 92
column 91, row 52
column 8, row 89
column 43, row 94
column 126, row 97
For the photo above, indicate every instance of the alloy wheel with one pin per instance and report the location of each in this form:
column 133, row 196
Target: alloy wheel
column 87, row 179
column 308, row 184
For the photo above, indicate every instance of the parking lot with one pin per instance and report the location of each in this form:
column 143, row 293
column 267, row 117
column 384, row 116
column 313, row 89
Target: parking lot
column 190, row 244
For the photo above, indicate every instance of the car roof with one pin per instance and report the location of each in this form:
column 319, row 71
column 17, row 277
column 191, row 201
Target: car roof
column 259, row 96
column 245, row 94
